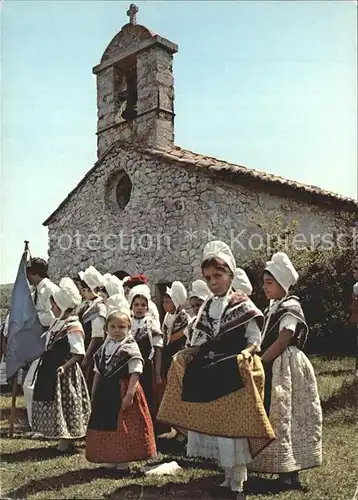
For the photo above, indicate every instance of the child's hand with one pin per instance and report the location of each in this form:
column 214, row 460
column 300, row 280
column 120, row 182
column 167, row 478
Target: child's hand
column 60, row 371
column 158, row 380
column 246, row 354
column 127, row 401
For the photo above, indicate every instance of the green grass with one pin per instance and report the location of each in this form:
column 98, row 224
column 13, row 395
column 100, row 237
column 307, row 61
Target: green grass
column 32, row 469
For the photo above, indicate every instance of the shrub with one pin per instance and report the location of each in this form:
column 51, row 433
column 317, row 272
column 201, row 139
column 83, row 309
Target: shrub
column 324, row 286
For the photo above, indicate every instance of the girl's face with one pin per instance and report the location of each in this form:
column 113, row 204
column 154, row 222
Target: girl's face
column 139, row 306
column 168, row 305
column 195, row 304
column 217, row 280
column 86, row 293
column 55, row 309
column 272, row 289
column 118, row 327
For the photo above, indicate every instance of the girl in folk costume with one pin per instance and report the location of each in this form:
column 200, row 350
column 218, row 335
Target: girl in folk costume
column 198, row 294
column 93, row 318
column 126, row 287
column 141, row 279
column 291, row 395
column 120, row 428
column 43, row 289
column 229, row 323
column 61, row 404
column 146, row 332
column 81, row 308
column 175, row 324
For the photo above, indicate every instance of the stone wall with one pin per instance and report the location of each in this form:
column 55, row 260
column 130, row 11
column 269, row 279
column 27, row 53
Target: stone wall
column 171, row 214
column 155, row 121
column 153, row 64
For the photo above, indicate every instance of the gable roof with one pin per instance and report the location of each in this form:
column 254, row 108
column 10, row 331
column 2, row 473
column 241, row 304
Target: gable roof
column 226, row 172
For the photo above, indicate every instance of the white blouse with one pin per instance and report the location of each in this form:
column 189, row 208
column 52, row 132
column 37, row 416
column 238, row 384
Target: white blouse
column 288, row 322
column 216, row 310
column 75, row 339
column 45, row 289
column 98, row 327
column 169, row 320
column 139, row 323
column 98, row 323
column 134, row 365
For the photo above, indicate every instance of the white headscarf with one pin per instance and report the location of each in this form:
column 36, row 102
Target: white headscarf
column 142, row 290
column 220, row 250
column 241, row 281
column 93, row 278
column 112, row 284
column 177, row 293
column 118, row 303
column 67, row 296
column 282, row 270
column 199, row 289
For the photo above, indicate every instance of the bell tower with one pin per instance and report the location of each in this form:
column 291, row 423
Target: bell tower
column 135, row 88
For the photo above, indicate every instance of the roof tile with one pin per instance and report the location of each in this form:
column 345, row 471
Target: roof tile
column 227, row 171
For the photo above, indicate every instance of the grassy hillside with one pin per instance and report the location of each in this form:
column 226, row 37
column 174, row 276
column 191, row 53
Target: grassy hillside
column 34, row 470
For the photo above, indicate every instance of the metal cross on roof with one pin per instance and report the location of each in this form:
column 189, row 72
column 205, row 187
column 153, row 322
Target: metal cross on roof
column 132, row 13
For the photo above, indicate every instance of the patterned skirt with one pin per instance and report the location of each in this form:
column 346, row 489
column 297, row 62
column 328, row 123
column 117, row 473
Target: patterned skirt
column 295, row 415
column 133, row 440
column 240, row 414
column 67, row 415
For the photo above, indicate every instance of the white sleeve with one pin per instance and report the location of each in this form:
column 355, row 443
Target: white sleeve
column 77, row 345
column 288, row 322
column 157, row 341
column 98, row 327
column 135, row 366
column 43, row 306
column 253, row 333
column 102, row 309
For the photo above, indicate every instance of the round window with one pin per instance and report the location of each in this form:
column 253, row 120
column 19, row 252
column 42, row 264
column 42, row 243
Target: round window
column 118, row 191
column 123, row 190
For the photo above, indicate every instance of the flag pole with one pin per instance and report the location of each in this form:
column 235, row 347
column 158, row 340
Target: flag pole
column 15, row 385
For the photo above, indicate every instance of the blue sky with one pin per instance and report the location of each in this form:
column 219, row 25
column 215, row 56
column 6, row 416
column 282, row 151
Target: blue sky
column 269, row 85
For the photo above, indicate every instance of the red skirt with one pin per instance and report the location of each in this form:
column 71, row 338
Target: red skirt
column 132, row 441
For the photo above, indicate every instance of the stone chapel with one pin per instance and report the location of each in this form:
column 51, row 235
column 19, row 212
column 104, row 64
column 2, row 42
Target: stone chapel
column 150, row 206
